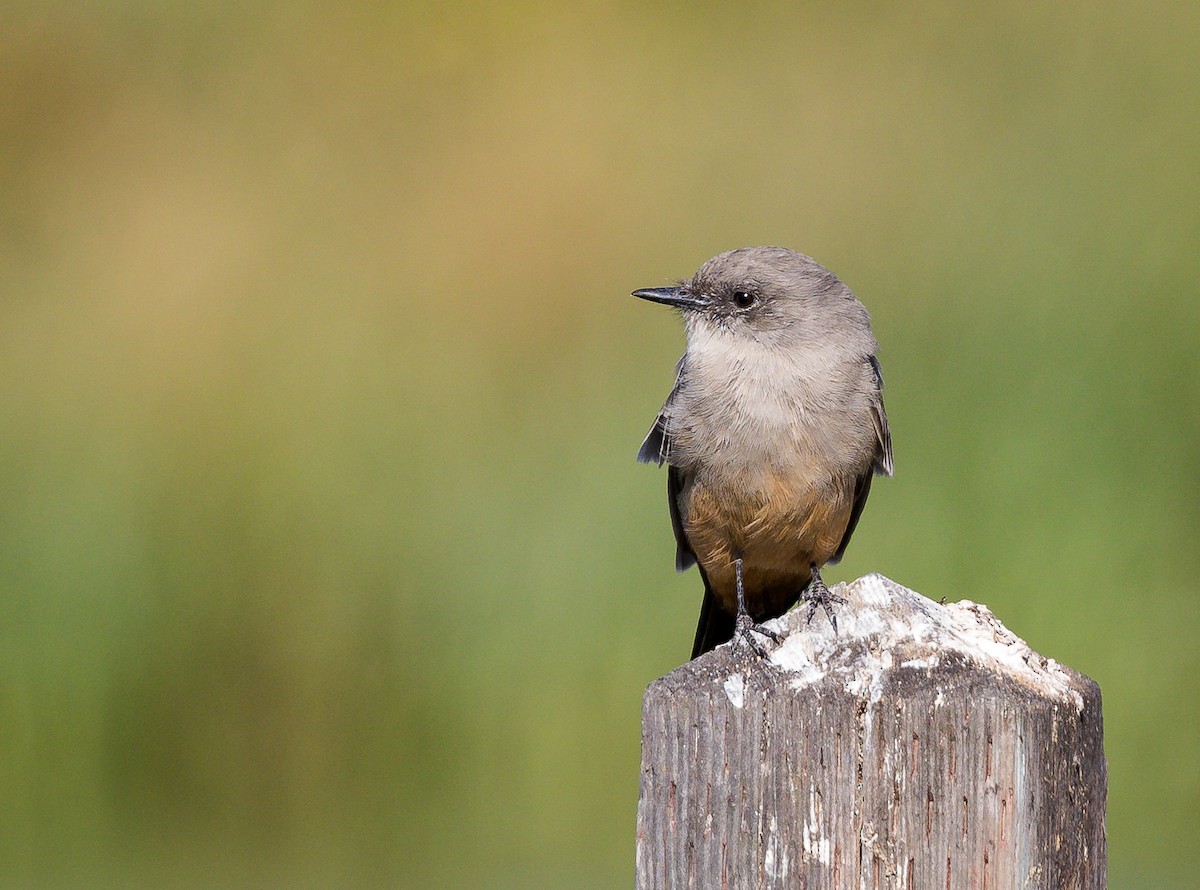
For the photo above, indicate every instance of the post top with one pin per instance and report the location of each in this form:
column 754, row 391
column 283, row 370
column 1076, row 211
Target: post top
column 885, row 628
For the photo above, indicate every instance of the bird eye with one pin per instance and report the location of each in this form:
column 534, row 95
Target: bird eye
column 743, row 299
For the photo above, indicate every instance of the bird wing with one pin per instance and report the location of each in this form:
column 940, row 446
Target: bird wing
column 684, row 557
column 880, row 466
column 883, row 457
column 656, row 448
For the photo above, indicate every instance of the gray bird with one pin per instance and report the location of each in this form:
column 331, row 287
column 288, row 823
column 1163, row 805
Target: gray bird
column 771, row 435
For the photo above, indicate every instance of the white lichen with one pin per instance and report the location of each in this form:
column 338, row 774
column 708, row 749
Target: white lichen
column 735, row 688
column 885, row 627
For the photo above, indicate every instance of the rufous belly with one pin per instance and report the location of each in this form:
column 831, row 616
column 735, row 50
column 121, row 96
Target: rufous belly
column 780, row 526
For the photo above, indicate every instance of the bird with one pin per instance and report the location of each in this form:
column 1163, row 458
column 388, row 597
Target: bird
column 771, row 435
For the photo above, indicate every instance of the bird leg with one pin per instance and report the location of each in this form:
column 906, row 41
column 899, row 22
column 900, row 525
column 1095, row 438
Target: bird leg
column 817, row 594
column 744, row 625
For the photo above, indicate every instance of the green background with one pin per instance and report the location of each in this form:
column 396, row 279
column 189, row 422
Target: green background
column 324, row 558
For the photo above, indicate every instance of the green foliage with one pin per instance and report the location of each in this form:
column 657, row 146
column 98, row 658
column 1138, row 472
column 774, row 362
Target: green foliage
column 325, row 558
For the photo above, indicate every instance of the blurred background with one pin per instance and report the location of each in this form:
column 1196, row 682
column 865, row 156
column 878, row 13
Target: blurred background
column 325, row 558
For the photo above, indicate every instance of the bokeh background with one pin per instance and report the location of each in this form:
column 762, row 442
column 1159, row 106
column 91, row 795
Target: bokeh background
column 324, row 558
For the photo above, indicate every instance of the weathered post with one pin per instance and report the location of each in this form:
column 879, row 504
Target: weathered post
column 923, row 746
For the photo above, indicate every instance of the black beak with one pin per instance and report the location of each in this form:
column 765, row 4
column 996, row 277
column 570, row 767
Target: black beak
column 671, row 296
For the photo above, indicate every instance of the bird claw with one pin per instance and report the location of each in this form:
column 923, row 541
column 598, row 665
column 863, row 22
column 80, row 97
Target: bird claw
column 744, row 629
column 818, row 595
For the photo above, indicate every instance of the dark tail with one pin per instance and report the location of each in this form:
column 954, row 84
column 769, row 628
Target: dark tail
column 715, row 627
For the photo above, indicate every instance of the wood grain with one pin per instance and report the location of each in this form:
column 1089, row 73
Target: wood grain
column 924, row 747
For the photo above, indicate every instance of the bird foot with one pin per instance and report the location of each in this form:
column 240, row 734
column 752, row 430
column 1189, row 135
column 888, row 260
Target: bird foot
column 818, row 595
column 745, row 628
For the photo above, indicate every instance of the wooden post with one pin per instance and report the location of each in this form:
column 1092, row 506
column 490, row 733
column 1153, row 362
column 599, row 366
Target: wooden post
column 923, row 746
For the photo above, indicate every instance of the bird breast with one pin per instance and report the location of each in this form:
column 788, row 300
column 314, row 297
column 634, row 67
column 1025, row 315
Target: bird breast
column 752, row 414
